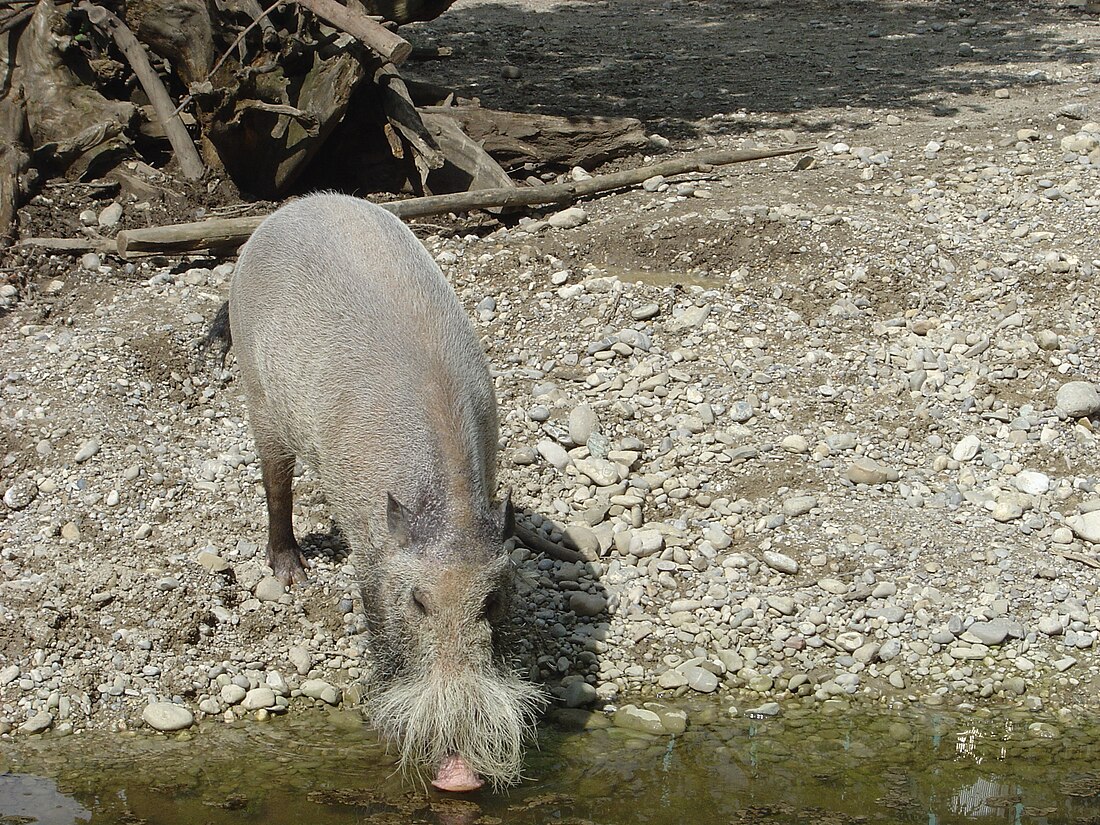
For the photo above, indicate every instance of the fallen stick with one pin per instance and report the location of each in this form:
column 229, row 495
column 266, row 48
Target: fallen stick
column 186, row 153
column 371, row 34
column 1078, row 557
column 223, row 234
column 533, row 540
column 102, row 245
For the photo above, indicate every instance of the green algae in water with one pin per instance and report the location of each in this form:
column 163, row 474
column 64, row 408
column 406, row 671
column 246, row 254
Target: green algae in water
column 805, row 766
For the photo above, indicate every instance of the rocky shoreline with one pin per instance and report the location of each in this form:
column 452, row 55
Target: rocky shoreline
column 817, row 434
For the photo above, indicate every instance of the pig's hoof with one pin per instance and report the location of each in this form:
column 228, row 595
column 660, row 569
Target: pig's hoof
column 455, row 775
column 288, row 566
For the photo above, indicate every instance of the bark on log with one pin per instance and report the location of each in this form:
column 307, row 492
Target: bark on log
column 404, row 117
column 467, row 165
column 188, row 156
column 514, row 139
column 14, row 19
column 226, row 234
column 265, row 150
column 59, row 105
column 13, row 160
column 179, row 30
column 374, row 36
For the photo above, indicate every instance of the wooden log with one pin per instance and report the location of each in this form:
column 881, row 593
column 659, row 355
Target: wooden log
column 557, row 193
column 232, row 232
column 61, row 108
column 514, row 138
column 14, row 19
column 188, row 156
column 74, row 245
column 404, row 117
column 373, row 35
column 467, row 166
column 181, row 31
column 533, row 540
column 13, row 160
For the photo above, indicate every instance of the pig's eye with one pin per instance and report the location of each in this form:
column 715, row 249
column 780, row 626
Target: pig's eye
column 419, row 601
column 491, row 606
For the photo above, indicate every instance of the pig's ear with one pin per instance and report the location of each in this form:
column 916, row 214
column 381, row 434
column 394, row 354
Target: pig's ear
column 398, row 520
column 507, row 515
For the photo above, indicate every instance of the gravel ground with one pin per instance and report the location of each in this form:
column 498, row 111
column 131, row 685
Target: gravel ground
column 821, row 429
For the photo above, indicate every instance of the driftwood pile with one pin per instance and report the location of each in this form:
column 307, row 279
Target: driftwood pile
column 275, row 100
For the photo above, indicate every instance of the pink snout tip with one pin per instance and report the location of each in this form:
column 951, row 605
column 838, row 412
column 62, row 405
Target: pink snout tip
column 455, row 775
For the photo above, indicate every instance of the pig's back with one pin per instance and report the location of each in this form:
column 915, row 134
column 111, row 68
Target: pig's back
column 355, row 348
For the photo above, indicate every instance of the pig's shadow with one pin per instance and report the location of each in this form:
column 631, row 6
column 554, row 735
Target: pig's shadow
column 561, row 612
column 332, row 546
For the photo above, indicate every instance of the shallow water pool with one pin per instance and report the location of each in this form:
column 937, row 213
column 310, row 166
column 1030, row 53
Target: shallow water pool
column 815, row 765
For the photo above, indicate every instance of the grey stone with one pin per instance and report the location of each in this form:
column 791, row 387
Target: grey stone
column 1051, row 626
column 583, row 421
column 1078, row 399
column 259, row 697
column 301, row 660
column 167, row 716
column 780, row 562
column 88, row 449
column 20, row 494
column 40, row 722
column 603, row 473
column 633, row 717
column 673, row 720
column 232, row 694
column 768, row 709
column 110, row 216
column 988, row 633
column 587, row 604
column 320, row 689
column 850, row 641
column 553, row 452
column 700, row 679
column 889, row 650
column 798, row 505
column 867, row 471
column 1086, row 526
column 269, row 589
column 967, row 448
column 569, row 218
column 579, row 694
column 1032, row 482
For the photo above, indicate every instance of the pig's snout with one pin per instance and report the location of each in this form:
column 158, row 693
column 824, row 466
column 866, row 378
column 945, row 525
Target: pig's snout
column 455, row 775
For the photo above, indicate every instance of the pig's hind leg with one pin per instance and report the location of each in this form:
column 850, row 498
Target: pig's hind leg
column 284, row 556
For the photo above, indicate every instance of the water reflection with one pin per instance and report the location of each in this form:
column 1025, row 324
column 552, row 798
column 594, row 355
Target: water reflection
column 35, row 800
column 808, row 765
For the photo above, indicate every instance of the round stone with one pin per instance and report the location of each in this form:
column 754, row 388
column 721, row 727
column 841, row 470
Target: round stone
column 780, row 562
column 967, row 448
column 167, row 716
column 1086, row 526
column 233, row 694
column 587, row 604
column 38, row 723
column 257, row 698
column 1078, row 399
column 582, row 423
column 270, row 589
column 579, row 694
column 20, row 494
column 700, row 679
column 1032, row 482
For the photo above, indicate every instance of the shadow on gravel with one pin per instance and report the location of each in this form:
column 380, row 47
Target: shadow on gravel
column 673, row 64
column 561, row 613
